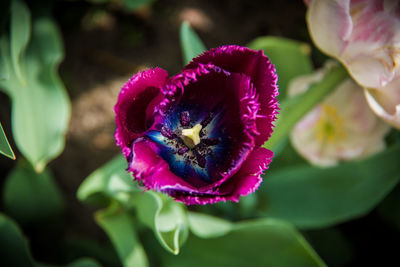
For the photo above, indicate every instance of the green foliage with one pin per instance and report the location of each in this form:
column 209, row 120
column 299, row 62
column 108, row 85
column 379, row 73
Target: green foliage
column 207, row 226
column 30, row 196
column 293, row 109
column 166, row 217
column 40, row 104
column 332, row 246
column 291, row 58
column 312, row 197
column 120, row 228
column 160, row 213
column 127, row 4
column 191, row 44
column 135, row 4
column 265, row 242
column 109, row 181
column 5, row 147
column 388, row 208
column 14, row 249
column 170, row 223
column 19, row 35
column 84, row 262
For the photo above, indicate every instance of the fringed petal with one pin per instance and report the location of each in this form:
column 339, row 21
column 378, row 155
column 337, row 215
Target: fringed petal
column 262, row 73
column 135, row 106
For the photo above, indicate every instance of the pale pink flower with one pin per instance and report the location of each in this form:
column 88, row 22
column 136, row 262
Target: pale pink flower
column 385, row 102
column 340, row 128
column 365, row 36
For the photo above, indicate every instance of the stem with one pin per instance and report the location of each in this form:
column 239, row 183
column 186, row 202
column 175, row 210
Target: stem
column 293, row 109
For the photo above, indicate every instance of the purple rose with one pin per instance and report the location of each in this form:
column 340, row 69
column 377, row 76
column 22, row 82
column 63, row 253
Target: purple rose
column 197, row 136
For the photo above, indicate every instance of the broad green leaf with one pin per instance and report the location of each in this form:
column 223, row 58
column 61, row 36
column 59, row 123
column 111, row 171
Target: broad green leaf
column 40, row 104
column 293, row 109
column 120, row 229
column 388, row 208
column 311, row 197
column 291, row 58
column 265, row 242
column 110, row 180
column 135, row 4
column 331, row 245
column 20, row 31
column 14, row 250
column 5, row 147
column 82, row 247
column 165, row 216
column 84, row 262
column 207, row 226
column 4, row 65
column 191, row 44
column 29, row 196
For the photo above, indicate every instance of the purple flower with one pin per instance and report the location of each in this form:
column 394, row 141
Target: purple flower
column 197, row 136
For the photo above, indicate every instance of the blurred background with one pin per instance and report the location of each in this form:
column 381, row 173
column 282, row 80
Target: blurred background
column 105, row 43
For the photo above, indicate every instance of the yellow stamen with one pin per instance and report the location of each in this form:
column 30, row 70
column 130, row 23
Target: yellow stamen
column 191, row 136
column 330, row 125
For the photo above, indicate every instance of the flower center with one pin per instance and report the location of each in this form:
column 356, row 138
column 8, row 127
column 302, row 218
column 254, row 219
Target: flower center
column 330, row 125
column 193, row 143
column 191, row 137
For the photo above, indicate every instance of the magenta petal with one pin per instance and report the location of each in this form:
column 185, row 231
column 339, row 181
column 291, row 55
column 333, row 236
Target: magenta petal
column 237, row 59
column 248, row 178
column 135, row 105
column 209, row 86
column 197, row 135
column 244, row 182
column 153, row 171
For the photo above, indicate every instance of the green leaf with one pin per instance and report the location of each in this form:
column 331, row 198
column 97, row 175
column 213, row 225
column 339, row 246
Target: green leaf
column 84, row 262
column 388, row 208
column 165, row 216
column 14, row 250
column 207, row 226
column 293, row 109
column 332, row 246
column 311, row 197
column 110, row 180
column 291, row 58
column 120, row 229
column 191, row 44
column 266, row 242
column 40, row 104
column 20, row 32
column 81, row 247
column 31, row 197
column 4, row 64
column 135, row 4
column 5, row 147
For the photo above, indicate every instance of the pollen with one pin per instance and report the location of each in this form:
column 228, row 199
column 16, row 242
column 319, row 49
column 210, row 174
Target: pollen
column 191, row 137
column 330, row 125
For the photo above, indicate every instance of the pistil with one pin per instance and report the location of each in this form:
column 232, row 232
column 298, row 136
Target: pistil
column 191, row 137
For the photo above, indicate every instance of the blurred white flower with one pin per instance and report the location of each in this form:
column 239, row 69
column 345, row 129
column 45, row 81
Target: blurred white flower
column 385, row 102
column 365, row 36
column 340, row 128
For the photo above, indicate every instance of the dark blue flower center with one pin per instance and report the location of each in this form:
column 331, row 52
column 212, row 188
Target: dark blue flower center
column 194, row 142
